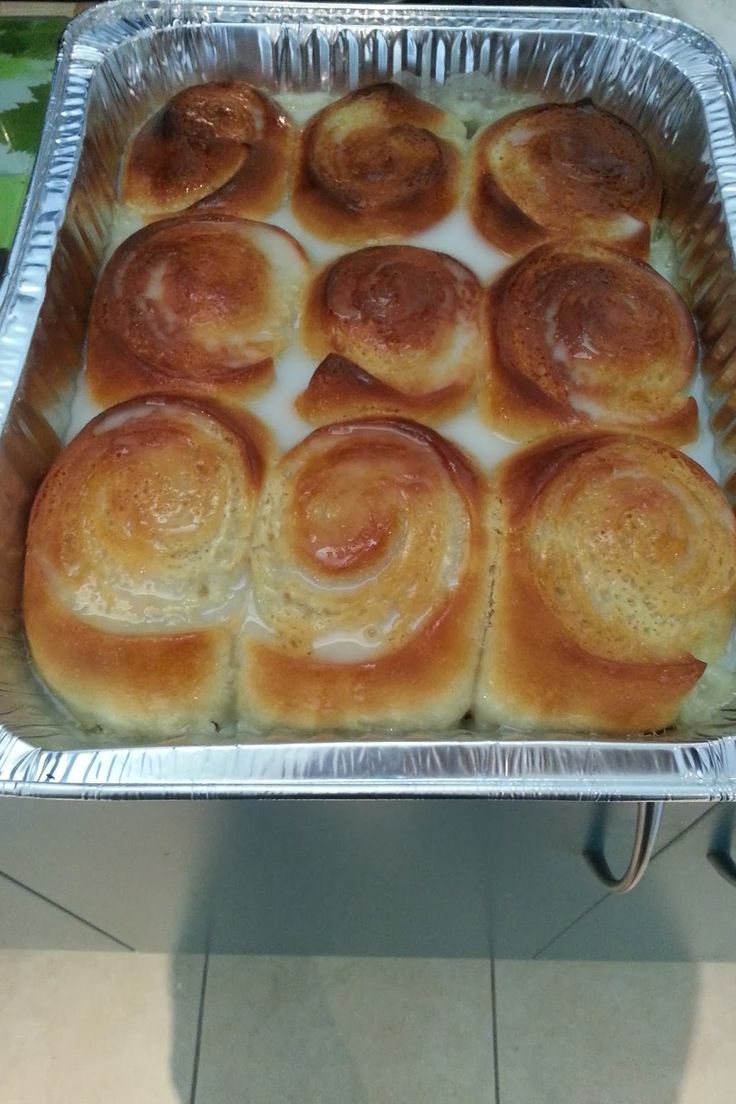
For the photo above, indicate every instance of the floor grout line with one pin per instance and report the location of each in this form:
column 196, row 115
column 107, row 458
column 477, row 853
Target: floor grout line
column 200, row 1025
column 494, row 1028
column 683, row 832
column 567, row 927
column 66, row 911
column 665, row 847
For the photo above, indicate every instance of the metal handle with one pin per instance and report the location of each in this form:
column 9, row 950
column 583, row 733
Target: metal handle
column 724, row 865
column 648, row 817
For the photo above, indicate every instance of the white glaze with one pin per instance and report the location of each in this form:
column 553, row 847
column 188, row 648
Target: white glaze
column 457, row 236
column 293, row 371
column 475, row 438
column 702, row 450
column 83, row 409
column 300, row 106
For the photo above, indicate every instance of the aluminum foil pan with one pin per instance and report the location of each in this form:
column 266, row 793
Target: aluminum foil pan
column 120, row 60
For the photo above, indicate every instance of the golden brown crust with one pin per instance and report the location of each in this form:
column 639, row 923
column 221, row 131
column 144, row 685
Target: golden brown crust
column 564, row 171
column 582, row 335
column 377, row 165
column 339, row 388
column 195, row 305
column 157, row 686
column 222, row 146
column 370, row 577
column 399, row 328
column 615, row 584
column 136, row 562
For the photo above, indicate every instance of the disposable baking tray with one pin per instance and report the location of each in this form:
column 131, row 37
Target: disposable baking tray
column 116, row 63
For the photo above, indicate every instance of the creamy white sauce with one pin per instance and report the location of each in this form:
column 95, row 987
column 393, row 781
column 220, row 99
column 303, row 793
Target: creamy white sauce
column 300, row 106
column 125, row 222
column 626, row 226
column 585, row 405
column 663, row 255
column 254, row 627
column 457, row 236
column 702, row 450
column 318, row 251
column 473, row 436
column 83, row 408
column 117, row 418
column 345, row 646
column 293, row 371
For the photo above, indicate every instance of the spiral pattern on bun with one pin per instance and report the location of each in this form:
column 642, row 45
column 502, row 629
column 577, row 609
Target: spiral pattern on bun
column 369, row 581
column 580, row 335
column 400, row 330
column 194, row 305
column 136, row 564
column 222, row 146
column 564, row 171
column 614, row 586
column 377, row 165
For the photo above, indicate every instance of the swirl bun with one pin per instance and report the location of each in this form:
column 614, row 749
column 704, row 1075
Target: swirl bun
column 370, row 578
column 136, row 564
column 405, row 325
column 614, row 586
column 580, row 334
column 194, row 305
column 564, row 171
column 377, row 165
column 221, row 147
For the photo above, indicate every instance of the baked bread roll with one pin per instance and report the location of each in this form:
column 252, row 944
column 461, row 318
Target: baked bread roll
column 564, row 171
column 614, row 586
column 136, row 564
column 579, row 335
column 399, row 329
column 221, row 146
column 194, row 305
column 369, row 582
column 377, row 165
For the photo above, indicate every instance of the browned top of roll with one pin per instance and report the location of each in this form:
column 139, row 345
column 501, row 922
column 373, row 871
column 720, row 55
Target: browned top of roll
column 197, row 304
column 581, row 334
column 377, row 165
column 370, row 578
column 223, row 146
column 136, row 563
column 615, row 584
column 404, row 324
column 561, row 171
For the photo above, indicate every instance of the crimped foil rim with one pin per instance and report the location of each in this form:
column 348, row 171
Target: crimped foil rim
column 457, row 764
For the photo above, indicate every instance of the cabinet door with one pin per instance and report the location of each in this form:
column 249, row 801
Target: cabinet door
column 682, row 910
column 424, row 877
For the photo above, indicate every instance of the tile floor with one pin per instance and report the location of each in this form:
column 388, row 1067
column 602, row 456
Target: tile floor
column 107, row 1024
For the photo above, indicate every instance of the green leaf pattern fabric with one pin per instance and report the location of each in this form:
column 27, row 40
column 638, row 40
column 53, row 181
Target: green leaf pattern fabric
column 27, row 55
